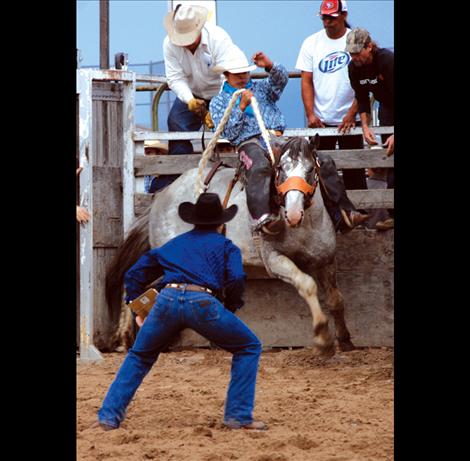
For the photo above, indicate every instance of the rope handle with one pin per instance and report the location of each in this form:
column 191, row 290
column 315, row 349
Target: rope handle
column 264, row 131
column 200, row 187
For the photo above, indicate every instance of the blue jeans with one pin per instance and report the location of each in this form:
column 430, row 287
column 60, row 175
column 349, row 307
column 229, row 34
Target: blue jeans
column 174, row 311
column 179, row 119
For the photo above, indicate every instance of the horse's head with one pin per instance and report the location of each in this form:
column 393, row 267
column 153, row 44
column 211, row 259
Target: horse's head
column 296, row 177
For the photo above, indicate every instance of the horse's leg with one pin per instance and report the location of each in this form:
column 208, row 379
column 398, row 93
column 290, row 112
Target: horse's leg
column 282, row 267
column 334, row 300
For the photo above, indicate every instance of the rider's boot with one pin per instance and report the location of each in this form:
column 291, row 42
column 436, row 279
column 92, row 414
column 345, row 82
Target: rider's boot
column 270, row 224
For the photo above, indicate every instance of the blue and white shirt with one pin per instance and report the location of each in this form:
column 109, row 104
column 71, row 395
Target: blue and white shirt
column 243, row 125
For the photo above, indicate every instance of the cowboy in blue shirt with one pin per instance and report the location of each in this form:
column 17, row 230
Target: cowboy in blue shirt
column 195, row 266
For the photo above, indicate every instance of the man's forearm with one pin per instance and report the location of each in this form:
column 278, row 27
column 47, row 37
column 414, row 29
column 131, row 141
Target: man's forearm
column 308, row 94
column 365, row 119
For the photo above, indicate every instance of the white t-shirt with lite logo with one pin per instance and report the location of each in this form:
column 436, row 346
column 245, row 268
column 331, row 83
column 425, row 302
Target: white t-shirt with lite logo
column 328, row 61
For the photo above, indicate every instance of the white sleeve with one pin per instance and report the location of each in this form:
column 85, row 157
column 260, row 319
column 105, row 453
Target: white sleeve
column 220, row 46
column 175, row 76
column 304, row 60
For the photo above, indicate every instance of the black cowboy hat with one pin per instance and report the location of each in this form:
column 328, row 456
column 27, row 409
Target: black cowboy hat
column 207, row 210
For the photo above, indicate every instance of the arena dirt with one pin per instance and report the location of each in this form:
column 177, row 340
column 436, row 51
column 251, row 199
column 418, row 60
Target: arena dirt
column 340, row 409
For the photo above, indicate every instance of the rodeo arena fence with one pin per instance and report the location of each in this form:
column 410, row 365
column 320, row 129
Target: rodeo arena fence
column 111, row 186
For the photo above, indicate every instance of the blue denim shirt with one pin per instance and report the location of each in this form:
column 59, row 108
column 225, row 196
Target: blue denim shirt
column 200, row 257
column 241, row 126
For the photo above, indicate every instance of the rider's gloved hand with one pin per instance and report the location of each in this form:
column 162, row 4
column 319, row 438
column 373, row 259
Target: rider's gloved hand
column 208, row 120
column 198, row 107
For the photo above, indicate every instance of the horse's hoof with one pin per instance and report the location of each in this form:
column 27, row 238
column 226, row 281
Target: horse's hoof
column 326, row 351
column 346, row 346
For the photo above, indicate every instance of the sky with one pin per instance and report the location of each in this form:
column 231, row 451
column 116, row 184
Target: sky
column 276, row 27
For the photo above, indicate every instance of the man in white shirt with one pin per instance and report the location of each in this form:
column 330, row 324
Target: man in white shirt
column 191, row 50
column 326, row 90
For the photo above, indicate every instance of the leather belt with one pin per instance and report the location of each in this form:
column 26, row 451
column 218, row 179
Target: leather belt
column 188, row 287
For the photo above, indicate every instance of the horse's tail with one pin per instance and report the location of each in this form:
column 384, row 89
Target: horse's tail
column 134, row 246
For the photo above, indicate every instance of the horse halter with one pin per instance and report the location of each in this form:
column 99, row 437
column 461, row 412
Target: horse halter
column 296, row 183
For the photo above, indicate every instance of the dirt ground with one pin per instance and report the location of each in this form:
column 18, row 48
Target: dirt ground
column 340, row 409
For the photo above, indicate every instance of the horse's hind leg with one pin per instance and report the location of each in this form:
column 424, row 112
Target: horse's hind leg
column 335, row 302
column 282, row 267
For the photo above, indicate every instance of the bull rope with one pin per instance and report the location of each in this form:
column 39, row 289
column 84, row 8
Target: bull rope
column 200, row 186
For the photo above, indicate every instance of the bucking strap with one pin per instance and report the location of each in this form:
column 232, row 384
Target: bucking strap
column 211, row 173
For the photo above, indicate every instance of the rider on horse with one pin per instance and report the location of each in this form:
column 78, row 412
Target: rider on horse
column 243, row 131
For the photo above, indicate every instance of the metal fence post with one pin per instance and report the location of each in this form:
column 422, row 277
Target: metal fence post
column 88, row 352
column 128, row 127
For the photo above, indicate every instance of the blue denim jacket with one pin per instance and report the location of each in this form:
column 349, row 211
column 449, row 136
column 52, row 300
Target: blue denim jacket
column 241, row 126
column 200, row 257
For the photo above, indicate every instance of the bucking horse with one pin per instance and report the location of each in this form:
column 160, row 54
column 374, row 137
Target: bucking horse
column 302, row 254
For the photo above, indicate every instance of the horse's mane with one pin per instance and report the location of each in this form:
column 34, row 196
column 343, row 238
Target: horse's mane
column 296, row 145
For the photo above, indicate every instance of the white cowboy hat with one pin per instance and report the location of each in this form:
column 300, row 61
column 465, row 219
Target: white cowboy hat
column 185, row 23
column 158, row 145
column 235, row 62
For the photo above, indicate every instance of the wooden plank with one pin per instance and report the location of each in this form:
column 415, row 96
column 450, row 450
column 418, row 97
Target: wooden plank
column 362, row 199
column 372, row 198
column 113, row 155
column 97, row 121
column 107, row 123
column 107, row 212
column 364, row 249
column 167, row 135
column 107, row 91
column 141, row 202
column 104, row 325
column 178, row 164
column 360, row 158
column 172, row 164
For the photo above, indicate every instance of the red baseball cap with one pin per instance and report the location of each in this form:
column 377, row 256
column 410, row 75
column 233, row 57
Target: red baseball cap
column 333, row 7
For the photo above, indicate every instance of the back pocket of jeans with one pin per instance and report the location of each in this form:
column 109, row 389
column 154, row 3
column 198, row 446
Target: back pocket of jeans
column 205, row 310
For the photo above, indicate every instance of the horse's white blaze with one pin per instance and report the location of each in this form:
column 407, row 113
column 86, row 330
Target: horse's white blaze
column 294, row 203
column 294, row 199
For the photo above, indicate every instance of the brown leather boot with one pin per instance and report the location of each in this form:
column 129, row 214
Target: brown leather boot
column 354, row 218
column 273, row 228
column 272, row 225
column 385, row 225
column 254, row 425
column 104, row 426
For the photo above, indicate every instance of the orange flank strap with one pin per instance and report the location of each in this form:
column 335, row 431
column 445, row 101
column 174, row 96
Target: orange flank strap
column 296, row 183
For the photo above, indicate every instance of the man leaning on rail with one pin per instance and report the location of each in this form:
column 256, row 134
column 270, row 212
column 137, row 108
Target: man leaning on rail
column 243, row 131
column 371, row 71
